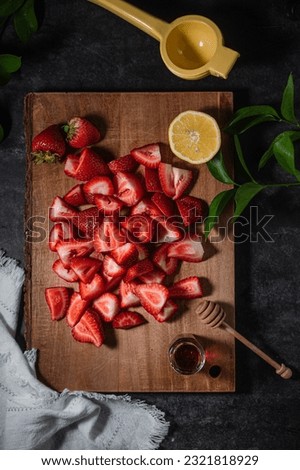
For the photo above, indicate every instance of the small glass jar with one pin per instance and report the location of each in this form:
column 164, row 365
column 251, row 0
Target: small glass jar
column 186, row 354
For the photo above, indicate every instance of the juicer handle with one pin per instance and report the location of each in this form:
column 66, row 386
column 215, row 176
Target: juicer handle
column 223, row 61
column 133, row 15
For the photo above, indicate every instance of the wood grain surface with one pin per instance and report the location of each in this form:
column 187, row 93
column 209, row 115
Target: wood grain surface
column 134, row 360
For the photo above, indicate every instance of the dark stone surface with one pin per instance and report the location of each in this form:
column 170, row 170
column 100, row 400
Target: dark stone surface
column 80, row 47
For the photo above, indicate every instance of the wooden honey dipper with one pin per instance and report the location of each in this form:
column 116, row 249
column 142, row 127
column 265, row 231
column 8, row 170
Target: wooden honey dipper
column 212, row 314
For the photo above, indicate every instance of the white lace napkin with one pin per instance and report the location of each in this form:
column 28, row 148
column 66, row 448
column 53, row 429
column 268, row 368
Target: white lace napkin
column 32, row 416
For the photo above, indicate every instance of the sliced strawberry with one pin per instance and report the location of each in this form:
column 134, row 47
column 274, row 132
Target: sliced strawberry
column 143, row 251
column 166, row 178
column 67, row 274
column 89, row 329
column 93, row 289
column 167, row 312
column 111, row 268
column 81, row 133
column 191, row 209
column 112, row 283
column 168, row 232
column 58, row 300
column 73, row 248
column 76, row 309
column 56, row 234
column 98, row 185
column 60, row 210
column 85, row 268
column 90, row 164
column 71, row 164
column 152, row 296
column 152, row 181
column 161, row 259
column 128, row 319
column 75, row 196
column 60, row 231
column 108, row 306
column 155, row 276
column 108, row 205
column 189, row 249
column 146, row 206
column 140, row 226
column 127, row 295
column 126, row 164
column 108, row 237
column 188, row 288
column 138, row 269
column 164, row 204
column 49, row 145
column 149, row 155
column 182, row 180
column 126, row 255
column 87, row 221
column 129, row 188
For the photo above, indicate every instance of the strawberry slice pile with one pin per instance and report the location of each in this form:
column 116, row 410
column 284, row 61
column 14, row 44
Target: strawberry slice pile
column 121, row 232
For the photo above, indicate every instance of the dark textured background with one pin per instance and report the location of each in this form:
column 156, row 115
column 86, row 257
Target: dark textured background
column 81, row 47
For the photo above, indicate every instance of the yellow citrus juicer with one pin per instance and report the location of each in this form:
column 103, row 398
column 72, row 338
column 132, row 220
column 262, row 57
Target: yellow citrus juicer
column 191, row 46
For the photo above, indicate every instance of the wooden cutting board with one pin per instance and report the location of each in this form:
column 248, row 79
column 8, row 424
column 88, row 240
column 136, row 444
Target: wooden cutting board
column 131, row 360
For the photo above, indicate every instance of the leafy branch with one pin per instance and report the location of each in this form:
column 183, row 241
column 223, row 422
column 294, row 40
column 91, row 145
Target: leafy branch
column 21, row 13
column 281, row 149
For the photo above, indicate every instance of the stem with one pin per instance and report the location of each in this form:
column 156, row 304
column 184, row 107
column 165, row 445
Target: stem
column 295, row 124
column 3, row 24
column 276, row 185
column 281, row 185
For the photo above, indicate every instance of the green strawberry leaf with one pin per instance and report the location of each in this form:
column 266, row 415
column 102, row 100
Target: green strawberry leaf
column 218, row 170
column 293, row 135
column 8, row 7
column 284, row 153
column 1, row 133
column 216, row 208
column 287, row 103
column 8, row 64
column 250, row 116
column 244, row 195
column 25, row 21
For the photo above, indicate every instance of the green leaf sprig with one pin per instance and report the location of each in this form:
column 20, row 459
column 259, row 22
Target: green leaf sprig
column 281, row 149
column 22, row 14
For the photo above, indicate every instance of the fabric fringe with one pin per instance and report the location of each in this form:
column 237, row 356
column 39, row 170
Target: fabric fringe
column 10, row 267
column 160, row 428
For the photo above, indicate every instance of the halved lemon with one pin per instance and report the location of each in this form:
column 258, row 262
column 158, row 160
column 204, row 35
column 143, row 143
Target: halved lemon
column 194, row 136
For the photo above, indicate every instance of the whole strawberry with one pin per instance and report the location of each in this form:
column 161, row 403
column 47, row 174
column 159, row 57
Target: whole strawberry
column 81, row 133
column 49, row 145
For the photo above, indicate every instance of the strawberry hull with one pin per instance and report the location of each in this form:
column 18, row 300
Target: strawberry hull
column 81, row 133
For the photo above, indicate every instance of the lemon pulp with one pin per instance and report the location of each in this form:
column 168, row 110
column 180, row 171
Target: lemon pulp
column 194, row 136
